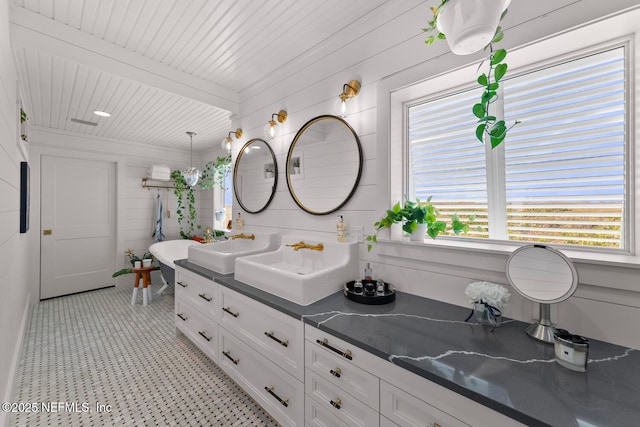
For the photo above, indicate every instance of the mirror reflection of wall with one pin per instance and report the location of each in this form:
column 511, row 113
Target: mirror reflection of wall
column 255, row 176
column 324, row 165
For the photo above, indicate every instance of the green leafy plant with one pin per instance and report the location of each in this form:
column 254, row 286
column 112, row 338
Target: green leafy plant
column 133, row 258
column 488, row 125
column 23, row 116
column 414, row 213
column 188, row 223
column 215, row 173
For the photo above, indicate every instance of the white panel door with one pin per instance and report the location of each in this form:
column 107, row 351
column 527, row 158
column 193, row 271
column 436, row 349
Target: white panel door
column 77, row 225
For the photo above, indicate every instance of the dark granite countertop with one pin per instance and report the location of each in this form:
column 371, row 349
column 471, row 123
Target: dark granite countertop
column 504, row 369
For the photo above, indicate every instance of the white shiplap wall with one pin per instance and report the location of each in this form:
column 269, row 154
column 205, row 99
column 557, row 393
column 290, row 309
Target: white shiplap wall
column 307, row 87
column 136, row 206
column 13, row 245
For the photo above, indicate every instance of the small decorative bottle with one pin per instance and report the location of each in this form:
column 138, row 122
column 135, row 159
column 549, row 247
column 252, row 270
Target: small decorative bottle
column 368, row 274
column 239, row 222
column 341, row 230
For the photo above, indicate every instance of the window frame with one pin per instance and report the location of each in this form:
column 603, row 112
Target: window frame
column 449, row 72
column 496, row 160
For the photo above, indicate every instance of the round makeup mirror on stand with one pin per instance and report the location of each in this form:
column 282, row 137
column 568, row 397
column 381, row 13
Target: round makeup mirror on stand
column 546, row 276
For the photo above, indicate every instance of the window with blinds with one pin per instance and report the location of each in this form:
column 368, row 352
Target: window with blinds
column 563, row 167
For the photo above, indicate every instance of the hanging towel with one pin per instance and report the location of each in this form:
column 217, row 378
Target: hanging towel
column 158, row 232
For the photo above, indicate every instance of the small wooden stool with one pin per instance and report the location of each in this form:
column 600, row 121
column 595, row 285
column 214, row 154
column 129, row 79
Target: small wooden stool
column 143, row 273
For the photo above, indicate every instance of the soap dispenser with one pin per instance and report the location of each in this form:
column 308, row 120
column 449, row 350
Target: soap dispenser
column 239, row 222
column 341, row 230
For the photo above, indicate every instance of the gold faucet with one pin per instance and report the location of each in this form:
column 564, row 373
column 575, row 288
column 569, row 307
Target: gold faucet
column 302, row 245
column 243, row 236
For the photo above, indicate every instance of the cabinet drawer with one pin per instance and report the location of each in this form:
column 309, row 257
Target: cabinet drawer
column 407, row 410
column 197, row 291
column 338, row 402
column 346, row 351
column 276, row 391
column 277, row 336
column 200, row 329
column 344, row 374
column 317, row 416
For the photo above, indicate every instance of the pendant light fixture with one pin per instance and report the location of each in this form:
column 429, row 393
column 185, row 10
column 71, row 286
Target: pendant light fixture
column 191, row 174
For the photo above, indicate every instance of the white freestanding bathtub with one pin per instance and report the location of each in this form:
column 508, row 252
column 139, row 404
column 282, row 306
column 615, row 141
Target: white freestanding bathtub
column 166, row 253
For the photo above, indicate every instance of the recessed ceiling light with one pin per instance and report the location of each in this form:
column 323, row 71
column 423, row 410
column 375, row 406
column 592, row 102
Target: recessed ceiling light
column 102, row 113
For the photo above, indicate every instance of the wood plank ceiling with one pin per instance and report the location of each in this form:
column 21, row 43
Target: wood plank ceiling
column 161, row 67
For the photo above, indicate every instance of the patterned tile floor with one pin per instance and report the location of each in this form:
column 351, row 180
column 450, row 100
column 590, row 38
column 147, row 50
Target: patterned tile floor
column 95, row 348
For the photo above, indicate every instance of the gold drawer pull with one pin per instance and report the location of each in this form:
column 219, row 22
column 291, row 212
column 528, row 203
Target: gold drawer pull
column 228, row 310
column 182, row 316
column 336, row 403
column 202, row 334
column 325, row 343
column 336, row 373
column 228, row 356
column 285, row 401
column 284, row 343
column 204, row 297
column 184, row 285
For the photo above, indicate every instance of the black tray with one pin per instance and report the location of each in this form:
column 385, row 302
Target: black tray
column 368, row 298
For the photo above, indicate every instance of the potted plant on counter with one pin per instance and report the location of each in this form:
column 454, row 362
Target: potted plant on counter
column 417, row 218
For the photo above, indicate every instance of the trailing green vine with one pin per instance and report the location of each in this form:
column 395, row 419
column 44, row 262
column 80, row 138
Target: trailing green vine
column 487, row 124
column 215, row 173
column 180, row 189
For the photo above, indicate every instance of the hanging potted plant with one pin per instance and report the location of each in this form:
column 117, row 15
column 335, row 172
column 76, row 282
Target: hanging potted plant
column 186, row 222
column 215, row 173
column 417, row 218
column 469, row 26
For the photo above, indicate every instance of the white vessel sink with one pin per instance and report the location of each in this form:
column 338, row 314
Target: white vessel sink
column 221, row 256
column 303, row 276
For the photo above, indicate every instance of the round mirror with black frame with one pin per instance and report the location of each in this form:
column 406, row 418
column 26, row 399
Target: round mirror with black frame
column 324, row 165
column 255, row 176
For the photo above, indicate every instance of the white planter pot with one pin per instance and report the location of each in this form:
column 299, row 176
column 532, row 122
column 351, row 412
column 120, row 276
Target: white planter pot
column 418, row 235
column 470, row 24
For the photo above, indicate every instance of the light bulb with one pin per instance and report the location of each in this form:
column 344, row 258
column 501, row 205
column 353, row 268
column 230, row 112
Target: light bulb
column 340, row 107
column 270, row 129
column 226, row 144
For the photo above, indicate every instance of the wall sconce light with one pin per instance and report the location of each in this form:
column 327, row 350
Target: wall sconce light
column 349, row 90
column 271, row 127
column 226, row 142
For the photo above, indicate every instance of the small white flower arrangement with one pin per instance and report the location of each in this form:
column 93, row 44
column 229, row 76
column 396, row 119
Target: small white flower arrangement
column 487, row 300
column 488, row 293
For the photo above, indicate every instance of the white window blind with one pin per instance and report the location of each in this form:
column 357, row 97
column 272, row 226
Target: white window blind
column 564, row 165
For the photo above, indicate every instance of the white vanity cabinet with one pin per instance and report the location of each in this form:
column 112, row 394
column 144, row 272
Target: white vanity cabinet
column 371, row 391
column 196, row 312
column 273, row 334
column 339, row 382
column 279, row 393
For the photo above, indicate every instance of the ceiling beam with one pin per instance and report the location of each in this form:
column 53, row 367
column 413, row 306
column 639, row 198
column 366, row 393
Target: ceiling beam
column 38, row 32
